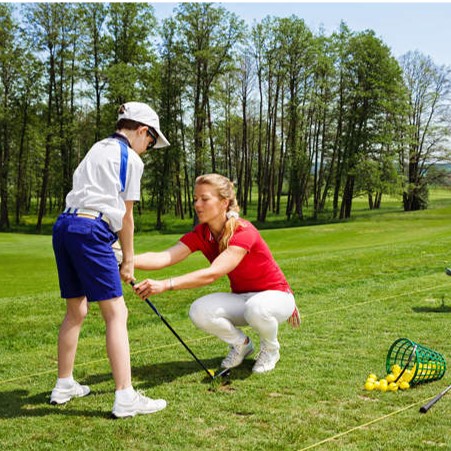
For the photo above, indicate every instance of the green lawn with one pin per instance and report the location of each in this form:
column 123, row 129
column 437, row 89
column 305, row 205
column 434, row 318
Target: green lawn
column 360, row 285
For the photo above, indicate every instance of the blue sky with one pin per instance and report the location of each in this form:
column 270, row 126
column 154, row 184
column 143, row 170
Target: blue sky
column 403, row 26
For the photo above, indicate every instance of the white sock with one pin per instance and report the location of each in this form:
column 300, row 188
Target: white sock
column 65, row 382
column 126, row 395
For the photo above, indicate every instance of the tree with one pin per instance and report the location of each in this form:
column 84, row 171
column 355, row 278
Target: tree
column 131, row 27
column 428, row 115
column 375, row 83
column 207, row 35
column 96, row 57
column 170, row 161
column 9, row 70
column 296, row 42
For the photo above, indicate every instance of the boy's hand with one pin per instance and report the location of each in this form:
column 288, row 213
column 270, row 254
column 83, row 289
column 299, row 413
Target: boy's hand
column 126, row 271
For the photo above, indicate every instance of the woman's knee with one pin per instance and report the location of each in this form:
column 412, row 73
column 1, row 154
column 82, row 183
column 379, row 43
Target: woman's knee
column 203, row 311
column 197, row 313
column 255, row 311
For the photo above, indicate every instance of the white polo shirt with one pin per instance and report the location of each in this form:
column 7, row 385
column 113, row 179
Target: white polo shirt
column 97, row 184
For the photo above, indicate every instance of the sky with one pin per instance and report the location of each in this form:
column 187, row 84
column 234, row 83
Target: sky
column 402, row 26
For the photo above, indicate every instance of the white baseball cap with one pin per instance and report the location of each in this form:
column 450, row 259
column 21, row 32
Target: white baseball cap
column 142, row 113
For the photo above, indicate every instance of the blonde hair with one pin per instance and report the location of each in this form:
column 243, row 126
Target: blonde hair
column 224, row 190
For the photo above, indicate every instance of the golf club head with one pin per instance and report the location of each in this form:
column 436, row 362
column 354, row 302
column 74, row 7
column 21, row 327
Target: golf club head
column 224, row 373
column 448, row 271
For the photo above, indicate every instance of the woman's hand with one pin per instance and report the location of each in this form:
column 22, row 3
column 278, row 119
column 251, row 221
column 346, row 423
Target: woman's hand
column 148, row 287
column 295, row 319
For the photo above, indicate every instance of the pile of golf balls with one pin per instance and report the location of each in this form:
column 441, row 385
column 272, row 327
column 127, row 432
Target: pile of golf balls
column 388, row 382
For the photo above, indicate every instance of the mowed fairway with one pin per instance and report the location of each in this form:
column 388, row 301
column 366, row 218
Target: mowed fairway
column 360, row 285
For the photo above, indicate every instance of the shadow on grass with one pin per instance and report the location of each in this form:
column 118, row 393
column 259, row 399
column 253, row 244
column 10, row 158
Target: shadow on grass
column 18, row 403
column 440, row 309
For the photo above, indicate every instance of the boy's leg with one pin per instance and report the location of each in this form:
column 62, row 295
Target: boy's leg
column 115, row 314
column 76, row 311
column 66, row 388
column 127, row 402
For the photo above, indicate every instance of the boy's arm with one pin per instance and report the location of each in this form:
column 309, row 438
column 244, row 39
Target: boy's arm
column 126, row 239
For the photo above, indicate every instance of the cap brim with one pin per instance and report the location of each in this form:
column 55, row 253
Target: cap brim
column 161, row 141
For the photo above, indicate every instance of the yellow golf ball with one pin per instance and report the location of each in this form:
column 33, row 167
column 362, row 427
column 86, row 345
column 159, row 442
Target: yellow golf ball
column 383, row 385
column 407, row 376
column 392, row 386
column 369, row 386
column 390, row 378
column 404, row 385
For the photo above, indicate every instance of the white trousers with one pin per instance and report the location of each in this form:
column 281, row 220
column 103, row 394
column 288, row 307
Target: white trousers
column 219, row 314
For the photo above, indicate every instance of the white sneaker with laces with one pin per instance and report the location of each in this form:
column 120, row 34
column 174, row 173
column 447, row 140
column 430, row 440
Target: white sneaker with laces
column 63, row 395
column 139, row 405
column 266, row 360
column 237, row 354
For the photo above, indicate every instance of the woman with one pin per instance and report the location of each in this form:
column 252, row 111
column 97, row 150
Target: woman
column 260, row 297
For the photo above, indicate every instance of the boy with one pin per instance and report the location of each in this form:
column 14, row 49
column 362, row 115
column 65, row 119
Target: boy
column 99, row 210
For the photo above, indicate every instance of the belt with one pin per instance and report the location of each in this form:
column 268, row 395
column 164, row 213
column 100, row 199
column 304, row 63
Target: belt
column 85, row 213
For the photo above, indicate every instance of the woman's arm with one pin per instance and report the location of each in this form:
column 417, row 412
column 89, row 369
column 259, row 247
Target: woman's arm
column 224, row 263
column 158, row 260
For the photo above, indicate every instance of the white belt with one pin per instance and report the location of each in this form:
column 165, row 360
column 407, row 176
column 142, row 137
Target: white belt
column 83, row 212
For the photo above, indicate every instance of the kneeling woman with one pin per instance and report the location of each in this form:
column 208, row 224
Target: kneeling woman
column 260, row 297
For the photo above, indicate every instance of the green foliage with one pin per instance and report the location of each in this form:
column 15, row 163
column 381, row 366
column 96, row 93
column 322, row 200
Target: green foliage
column 360, row 285
column 278, row 108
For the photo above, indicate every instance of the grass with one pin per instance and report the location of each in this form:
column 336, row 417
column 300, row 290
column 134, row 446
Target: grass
column 360, row 285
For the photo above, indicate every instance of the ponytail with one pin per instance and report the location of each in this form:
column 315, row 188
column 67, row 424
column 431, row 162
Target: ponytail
column 231, row 225
column 225, row 190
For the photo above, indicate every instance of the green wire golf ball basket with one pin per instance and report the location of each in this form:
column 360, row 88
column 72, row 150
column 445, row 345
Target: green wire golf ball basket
column 418, row 363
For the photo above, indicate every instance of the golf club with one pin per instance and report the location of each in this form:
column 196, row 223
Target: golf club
column 224, row 372
column 426, row 407
column 407, row 364
column 448, row 271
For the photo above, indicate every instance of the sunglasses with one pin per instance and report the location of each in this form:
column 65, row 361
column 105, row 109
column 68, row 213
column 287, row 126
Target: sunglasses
column 151, row 132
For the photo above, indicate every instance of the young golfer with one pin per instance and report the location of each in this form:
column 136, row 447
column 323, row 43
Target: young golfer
column 260, row 295
column 99, row 210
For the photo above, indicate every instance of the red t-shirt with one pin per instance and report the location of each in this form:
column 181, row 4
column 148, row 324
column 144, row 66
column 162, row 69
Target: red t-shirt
column 257, row 271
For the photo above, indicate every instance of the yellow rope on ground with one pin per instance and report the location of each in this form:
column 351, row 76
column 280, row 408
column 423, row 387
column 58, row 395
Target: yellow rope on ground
column 341, row 434
column 345, row 307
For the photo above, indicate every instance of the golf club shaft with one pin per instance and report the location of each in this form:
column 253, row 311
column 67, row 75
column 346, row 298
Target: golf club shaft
column 407, row 364
column 176, row 334
column 426, row 407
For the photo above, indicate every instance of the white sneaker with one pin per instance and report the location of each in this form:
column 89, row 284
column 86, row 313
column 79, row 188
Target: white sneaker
column 266, row 361
column 237, row 354
column 62, row 395
column 139, row 404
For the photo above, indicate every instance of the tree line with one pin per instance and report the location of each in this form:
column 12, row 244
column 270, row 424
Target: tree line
column 287, row 113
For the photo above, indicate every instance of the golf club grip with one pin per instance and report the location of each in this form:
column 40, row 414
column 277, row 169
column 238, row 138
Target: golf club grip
column 426, row 407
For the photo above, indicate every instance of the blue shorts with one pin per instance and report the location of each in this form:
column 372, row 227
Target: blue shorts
column 84, row 257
